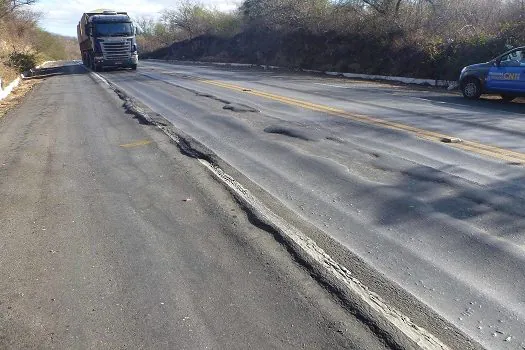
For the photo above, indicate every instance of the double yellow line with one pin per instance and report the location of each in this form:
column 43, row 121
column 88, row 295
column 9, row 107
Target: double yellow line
column 471, row 146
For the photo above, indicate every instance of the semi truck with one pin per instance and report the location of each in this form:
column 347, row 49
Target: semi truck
column 107, row 39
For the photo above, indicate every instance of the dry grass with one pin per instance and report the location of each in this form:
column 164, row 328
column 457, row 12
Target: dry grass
column 7, row 74
column 24, row 45
column 17, row 96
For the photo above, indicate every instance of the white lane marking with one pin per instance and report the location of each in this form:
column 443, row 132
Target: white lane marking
column 440, row 102
column 355, row 85
column 469, row 107
column 104, row 80
column 336, row 86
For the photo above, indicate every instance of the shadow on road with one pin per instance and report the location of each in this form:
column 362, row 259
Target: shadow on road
column 489, row 102
column 62, row 69
column 424, row 190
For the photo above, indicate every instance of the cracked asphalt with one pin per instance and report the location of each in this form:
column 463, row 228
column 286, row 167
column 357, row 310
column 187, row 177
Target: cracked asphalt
column 435, row 228
column 111, row 238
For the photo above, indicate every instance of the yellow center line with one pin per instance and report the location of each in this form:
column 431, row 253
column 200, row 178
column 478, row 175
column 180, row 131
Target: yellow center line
column 136, row 144
column 471, row 146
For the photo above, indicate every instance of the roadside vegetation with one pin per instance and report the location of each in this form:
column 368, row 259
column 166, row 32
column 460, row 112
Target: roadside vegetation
column 23, row 44
column 418, row 38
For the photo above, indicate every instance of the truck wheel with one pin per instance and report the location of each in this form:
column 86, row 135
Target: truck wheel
column 508, row 98
column 134, row 67
column 471, row 88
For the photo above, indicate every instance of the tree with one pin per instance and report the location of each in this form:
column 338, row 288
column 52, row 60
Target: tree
column 9, row 6
column 145, row 25
column 190, row 17
column 384, row 7
column 287, row 14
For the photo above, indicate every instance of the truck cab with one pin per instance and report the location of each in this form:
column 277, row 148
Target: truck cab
column 107, row 39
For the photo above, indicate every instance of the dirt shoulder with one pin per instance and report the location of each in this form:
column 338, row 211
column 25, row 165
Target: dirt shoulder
column 17, row 96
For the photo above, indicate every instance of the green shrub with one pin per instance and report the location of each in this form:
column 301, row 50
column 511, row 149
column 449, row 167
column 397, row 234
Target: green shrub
column 22, row 61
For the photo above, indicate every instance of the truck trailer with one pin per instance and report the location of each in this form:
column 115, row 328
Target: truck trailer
column 107, row 39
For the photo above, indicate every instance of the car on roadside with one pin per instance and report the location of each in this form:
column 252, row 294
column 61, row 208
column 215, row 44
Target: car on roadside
column 503, row 75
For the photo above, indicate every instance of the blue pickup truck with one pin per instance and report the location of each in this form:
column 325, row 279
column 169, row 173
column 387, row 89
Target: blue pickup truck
column 504, row 75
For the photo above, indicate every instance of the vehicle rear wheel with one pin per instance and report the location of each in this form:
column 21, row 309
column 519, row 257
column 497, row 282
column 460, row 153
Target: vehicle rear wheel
column 471, row 88
column 508, row 98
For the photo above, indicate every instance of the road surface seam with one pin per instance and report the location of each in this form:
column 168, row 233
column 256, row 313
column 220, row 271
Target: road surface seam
column 396, row 328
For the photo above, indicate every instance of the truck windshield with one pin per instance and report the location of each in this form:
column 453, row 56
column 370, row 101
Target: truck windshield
column 113, row 29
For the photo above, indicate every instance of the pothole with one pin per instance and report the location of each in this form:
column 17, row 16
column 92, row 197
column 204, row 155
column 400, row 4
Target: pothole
column 298, row 134
column 235, row 107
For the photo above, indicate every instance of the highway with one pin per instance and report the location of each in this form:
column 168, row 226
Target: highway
column 127, row 216
column 421, row 221
column 111, row 238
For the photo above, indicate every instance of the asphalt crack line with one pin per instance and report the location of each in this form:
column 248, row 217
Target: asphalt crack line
column 387, row 322
column 399, row 328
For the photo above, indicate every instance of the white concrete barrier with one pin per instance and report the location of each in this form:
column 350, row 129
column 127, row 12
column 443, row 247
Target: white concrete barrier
column 5, row 91
column 9, row 88
column 430, row 82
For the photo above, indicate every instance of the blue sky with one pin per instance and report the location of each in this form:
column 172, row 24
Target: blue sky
column 61, row 17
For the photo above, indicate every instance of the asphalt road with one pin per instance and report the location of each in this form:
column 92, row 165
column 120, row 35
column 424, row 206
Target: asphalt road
column 360, row 161
column 111, row 238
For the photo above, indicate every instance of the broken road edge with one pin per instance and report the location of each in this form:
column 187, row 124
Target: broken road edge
column 395, row 328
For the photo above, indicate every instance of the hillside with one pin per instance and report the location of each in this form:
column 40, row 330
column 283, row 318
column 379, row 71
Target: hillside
column 423, row 39
column 24, row 45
